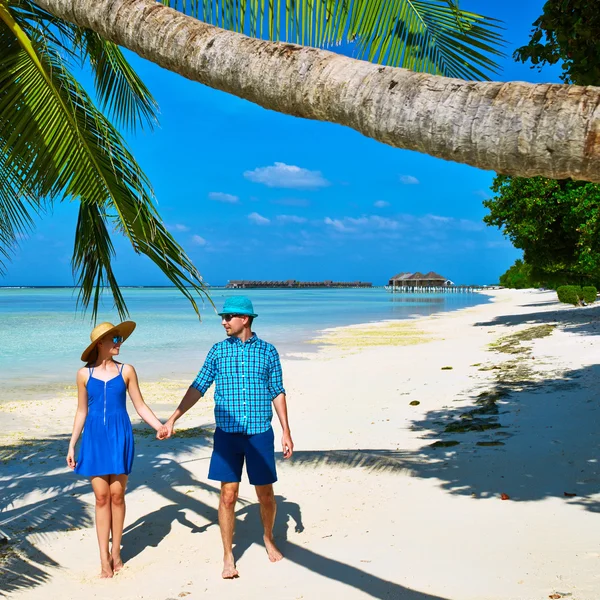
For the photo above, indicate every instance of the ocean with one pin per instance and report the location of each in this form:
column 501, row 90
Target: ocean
column 42, row 335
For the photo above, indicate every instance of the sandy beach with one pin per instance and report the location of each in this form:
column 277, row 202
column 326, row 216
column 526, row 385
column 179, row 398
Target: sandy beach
column 446, row 457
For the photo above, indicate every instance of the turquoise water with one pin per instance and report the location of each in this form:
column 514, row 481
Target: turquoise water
column 42, row 335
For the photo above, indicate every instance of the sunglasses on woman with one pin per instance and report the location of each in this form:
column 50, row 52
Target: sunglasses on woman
column 117, row 339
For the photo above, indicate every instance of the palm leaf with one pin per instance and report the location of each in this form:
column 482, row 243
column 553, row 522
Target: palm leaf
column 56, row 144
column 118, row 86
column 431, row 36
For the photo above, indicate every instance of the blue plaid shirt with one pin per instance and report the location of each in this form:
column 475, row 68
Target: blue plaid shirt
column 247, row 378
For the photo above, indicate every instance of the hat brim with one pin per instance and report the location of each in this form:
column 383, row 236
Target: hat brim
column 124, row 329
column 242, row 314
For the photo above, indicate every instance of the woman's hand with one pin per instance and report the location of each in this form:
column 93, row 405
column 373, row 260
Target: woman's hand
column 162, row 433
column 71, row 458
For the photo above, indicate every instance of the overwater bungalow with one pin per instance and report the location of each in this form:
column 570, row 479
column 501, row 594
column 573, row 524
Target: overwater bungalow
column 417, row 279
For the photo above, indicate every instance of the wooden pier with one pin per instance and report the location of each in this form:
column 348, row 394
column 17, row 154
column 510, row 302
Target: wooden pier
column 433, row 289
column 242, row 284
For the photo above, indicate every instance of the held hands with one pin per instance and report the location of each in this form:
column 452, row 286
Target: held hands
column 287, row 445
column 71, row 462
column 165, row 431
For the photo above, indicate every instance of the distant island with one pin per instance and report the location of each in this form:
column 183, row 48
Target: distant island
column 292, row 283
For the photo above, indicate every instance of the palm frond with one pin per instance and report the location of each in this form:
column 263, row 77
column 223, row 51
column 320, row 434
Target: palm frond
column 431, row 36
column 56, row 144
column 118, row 86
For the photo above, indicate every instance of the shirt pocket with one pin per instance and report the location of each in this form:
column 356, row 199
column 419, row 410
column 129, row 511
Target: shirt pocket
column 258, row 369
column 228, row 366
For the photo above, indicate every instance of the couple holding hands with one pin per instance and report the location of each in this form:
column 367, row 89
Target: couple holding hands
column 248, row 384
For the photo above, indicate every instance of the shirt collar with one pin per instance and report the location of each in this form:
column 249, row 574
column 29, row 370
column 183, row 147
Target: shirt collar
column 236, row 340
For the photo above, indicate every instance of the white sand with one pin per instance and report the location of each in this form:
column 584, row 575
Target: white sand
column 367, row 508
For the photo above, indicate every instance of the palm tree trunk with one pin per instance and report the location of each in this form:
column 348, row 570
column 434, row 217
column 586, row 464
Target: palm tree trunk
column 512, row 128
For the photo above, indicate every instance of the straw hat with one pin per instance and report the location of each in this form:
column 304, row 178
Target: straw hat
column 124, row 329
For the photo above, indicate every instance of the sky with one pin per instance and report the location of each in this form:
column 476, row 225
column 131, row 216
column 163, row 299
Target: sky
column 253, row 194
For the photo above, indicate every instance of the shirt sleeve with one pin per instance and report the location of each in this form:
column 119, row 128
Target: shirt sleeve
column 206, row 376
column 275, row 374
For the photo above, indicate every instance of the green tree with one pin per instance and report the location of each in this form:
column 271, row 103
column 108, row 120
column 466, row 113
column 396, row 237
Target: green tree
column 56, row 145
column 518, row 276
column 567, row 31
column 555, row 222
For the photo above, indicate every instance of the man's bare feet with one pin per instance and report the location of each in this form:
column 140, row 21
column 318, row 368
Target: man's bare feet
column 229, row 570
column 272, row 550
column 106, row 571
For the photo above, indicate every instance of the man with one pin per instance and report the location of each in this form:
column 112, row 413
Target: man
column 248, row 382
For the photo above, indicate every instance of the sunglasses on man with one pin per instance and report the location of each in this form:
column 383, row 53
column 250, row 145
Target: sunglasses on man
column 231, row 316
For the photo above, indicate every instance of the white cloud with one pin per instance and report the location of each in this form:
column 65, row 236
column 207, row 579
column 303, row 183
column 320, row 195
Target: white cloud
column 287, row 176
column 366, row 222
column 291, row 219
column 337, row 224
column 199, row 240
column 485, row 194
column 381, row 204
column 436, row 219
column 178, row 227
column 258, row 219
column 409, row 180
column 400, row 226
column 222, row 197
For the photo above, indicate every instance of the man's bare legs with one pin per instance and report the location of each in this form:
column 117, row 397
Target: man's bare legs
column 118, row 483
column 268, row 510
column 101, row 488
column 229, row 495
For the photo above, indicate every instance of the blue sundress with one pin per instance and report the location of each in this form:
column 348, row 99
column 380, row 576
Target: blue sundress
column 107, row 446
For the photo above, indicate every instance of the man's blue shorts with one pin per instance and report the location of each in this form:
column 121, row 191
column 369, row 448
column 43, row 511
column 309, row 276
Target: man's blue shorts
column 231, row 449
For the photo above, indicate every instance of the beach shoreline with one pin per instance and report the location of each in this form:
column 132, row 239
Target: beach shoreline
column 41, row 329
column 408, row 436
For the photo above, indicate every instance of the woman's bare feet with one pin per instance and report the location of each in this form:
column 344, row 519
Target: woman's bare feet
column 106, row 570
column 272, row 550
column 229, row 570
column 117, row 564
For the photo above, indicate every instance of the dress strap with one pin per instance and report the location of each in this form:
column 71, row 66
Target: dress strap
column 91, row 370
column 121, row 369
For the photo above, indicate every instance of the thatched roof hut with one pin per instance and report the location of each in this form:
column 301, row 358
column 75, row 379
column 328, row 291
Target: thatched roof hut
column 418, row 279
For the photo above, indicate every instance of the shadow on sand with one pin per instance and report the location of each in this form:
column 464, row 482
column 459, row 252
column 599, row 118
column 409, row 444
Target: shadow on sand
column 23, row 566
column 546, row 443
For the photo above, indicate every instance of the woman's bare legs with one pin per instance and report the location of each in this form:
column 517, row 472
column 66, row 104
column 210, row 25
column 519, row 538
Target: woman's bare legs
column 118, row 483
column 101, row 487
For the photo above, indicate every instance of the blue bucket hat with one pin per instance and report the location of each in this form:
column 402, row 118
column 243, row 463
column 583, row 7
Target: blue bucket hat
column 238, row 305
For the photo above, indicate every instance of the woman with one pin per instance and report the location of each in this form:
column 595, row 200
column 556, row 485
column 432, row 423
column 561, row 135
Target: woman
column 107, row 449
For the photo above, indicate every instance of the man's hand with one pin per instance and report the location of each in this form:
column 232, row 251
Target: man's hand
column 287, row 445
column 166, row 431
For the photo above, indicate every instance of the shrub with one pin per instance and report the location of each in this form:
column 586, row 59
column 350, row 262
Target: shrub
column 589, row 293
column 570, row 294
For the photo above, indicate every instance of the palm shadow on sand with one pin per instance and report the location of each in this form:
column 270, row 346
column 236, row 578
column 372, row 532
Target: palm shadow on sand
column 522, row 464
